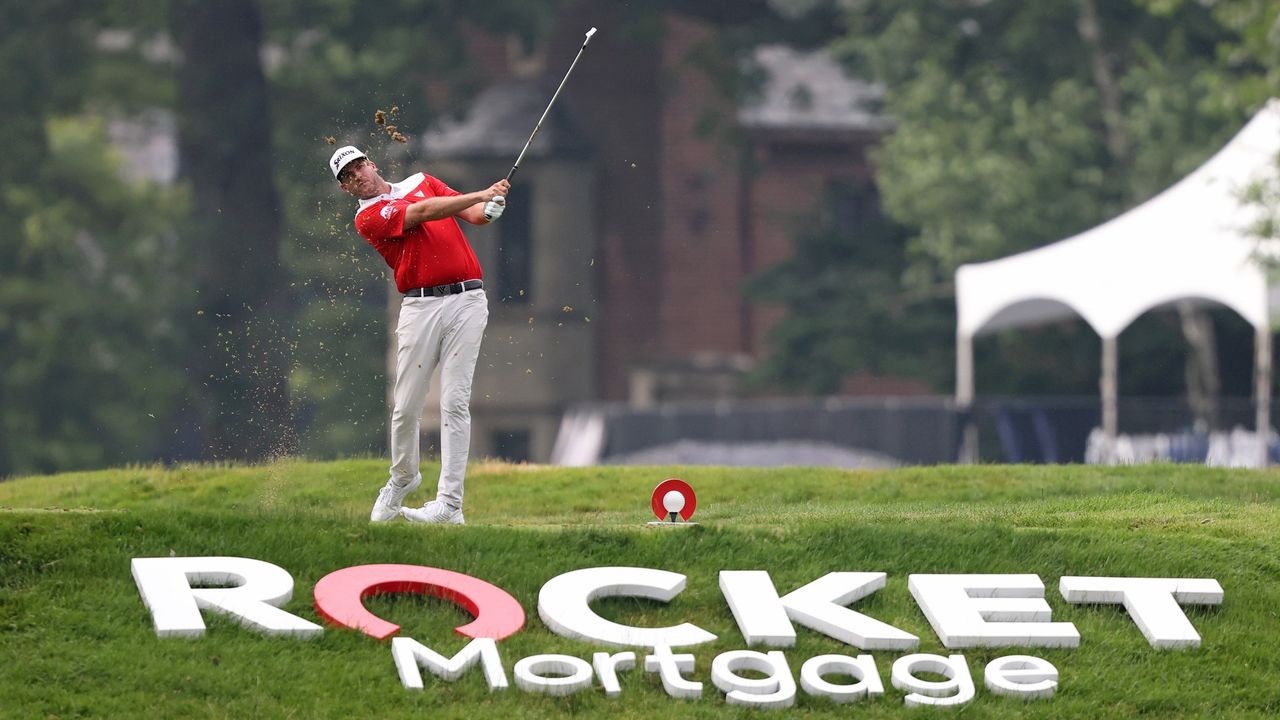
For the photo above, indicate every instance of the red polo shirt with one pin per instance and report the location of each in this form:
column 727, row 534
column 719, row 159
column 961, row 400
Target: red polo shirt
column 433, row 253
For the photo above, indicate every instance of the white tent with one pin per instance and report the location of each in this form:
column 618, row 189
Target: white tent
column 1190, row 242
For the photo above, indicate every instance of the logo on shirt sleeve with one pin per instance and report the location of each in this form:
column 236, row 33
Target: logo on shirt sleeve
column 387, row 211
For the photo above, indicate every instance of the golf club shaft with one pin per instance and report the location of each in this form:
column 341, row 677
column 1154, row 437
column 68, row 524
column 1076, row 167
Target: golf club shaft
column 538, row 127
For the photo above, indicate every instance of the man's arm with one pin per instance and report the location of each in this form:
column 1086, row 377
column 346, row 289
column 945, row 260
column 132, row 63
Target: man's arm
column 469, row 207
column 475, row 214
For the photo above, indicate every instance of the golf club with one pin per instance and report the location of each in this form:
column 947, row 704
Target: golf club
column 536, row 128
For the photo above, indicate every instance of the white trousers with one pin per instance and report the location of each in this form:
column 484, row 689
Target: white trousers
column 444, row 331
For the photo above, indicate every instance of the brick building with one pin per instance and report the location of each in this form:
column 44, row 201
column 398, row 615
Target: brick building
column 649, row 196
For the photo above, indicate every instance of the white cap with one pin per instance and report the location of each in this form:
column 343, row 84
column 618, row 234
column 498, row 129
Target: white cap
column 342, row 156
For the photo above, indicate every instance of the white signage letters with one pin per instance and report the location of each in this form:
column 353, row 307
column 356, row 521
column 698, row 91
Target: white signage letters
column 1153, row 603
column 570, row 674
column 820, row 606
column 1021, row 676
column 862, row 669
column 411, row 655
column 965, row 611
column 777, row 689
column 670, row 669
column 607, row 667
column 176, row 588
column 763, row 617
column 957, row 689
column 968, row 611
column 564, row 605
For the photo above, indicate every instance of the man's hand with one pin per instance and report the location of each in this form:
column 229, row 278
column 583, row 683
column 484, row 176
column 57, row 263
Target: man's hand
column 493, row 209
column 496, row 200
column 498, row 189
column 469, row 207
column 483, row 208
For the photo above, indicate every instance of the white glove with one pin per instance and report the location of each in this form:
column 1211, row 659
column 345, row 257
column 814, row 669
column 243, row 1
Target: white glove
column 493, row 209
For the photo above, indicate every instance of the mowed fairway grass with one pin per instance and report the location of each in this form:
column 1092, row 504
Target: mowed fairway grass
column 76, row 640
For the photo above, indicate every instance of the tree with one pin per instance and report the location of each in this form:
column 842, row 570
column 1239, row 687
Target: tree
column 1021, row 123
column 847, row 310
column 90, row 268
column 247, row 255
column 227, row 158
column 1257, row 46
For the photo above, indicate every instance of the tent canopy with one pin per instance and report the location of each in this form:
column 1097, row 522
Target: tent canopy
column 1189, row 242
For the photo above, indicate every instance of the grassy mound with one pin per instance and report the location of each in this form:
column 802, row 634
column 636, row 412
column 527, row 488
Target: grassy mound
column 76, row 640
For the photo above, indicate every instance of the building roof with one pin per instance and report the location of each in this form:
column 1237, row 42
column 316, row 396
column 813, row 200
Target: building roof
column 809, row 90
column 498, row 122
column 801, row 90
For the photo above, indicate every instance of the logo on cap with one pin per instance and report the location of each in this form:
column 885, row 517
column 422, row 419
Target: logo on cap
column 342, row 156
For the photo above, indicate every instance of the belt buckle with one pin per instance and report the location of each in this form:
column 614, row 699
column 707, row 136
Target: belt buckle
column 440, row 290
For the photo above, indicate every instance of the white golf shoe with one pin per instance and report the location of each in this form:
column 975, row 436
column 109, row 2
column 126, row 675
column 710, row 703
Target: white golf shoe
column 434, row 512
column 390, row 498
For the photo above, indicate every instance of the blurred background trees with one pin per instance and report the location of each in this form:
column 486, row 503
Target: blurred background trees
column 1018, row 124
column 215, row 316
column 222, row 309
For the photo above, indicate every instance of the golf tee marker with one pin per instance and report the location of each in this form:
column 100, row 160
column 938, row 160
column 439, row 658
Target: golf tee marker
column 673, row 502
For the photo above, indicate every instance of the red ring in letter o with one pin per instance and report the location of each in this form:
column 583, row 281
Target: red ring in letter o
column 339, row 598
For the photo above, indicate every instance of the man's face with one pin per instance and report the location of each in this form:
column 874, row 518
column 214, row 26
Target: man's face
column 360, row 178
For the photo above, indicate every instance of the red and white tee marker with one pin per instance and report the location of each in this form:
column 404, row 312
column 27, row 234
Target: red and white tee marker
column 673, row 501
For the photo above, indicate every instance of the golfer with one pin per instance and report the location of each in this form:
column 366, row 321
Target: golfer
column 413, row 225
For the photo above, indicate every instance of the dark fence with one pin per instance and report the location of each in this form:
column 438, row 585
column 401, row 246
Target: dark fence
column 917, row 431
column 910, row 430
column 1056, row 429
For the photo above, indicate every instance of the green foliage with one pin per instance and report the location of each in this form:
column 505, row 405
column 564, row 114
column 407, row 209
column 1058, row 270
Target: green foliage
column 1004, row 142
column 329, row 65
column 75, row 638
column 1001, row 144
column 848, row 311
column 1265, row 197
column 983, row 173
column 997, row 113
column 91, row 311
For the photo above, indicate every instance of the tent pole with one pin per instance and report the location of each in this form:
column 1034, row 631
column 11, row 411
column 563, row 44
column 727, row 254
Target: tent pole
column 964, row 399
column 1262, row 391
column 1110, row 372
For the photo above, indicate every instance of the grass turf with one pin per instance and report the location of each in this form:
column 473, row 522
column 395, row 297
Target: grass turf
column 76, row 640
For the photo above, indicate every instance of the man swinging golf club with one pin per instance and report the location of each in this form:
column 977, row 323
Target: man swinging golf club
column 413, row 224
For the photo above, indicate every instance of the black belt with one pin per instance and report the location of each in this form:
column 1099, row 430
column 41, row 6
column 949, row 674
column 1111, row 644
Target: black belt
column 449, row 289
